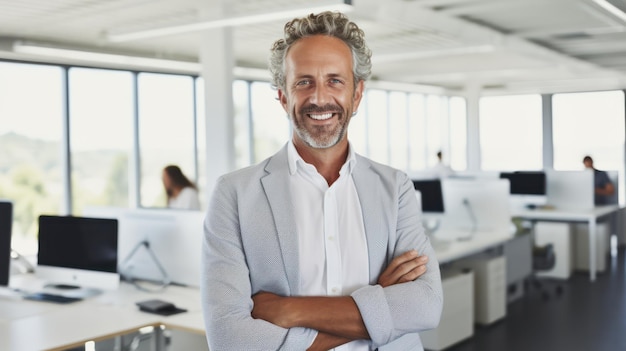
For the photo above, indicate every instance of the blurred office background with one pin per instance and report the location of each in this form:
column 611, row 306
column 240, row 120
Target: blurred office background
column 85, row 120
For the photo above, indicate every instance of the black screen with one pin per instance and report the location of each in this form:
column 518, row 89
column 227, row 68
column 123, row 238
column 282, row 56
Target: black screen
column 6, row 220
column 526, row 183
column 432, row 195
column 78, row 242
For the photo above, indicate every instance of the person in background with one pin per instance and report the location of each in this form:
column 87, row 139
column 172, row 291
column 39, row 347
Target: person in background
column 317, row 247
column 441, row 170
column 181, row 192
column 603, row 187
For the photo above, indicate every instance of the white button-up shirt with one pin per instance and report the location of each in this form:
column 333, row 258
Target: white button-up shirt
column 331, row 234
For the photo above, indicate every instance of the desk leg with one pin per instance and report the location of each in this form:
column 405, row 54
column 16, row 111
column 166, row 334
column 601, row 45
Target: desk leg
column 160, row 338
column 592, row 248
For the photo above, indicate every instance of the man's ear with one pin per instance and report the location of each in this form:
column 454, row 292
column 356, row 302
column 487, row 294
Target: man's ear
column 282, row 97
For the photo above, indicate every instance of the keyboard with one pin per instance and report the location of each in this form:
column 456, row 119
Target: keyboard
column 51, row 298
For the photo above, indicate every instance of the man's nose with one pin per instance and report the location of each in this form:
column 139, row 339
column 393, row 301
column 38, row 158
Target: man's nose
column 321, row 95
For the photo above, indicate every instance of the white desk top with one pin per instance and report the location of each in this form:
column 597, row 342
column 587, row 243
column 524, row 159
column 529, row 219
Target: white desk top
column 33, row 325
column 572, row 215
column 450, row 250
column 562, row 214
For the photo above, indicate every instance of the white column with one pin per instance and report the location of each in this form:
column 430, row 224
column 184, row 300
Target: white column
column 217, row 58
column 548, row 136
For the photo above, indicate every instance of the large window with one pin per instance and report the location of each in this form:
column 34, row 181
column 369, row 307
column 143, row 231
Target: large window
column 101, row 125
column 31, row 129
column 399, row 130
column 243, row 127
column 418, row 133
column 436, row 127
column 378, row 125
column 166, row 131
column 458, row 133
column 589, row 124
column 120, row 128
column 357, row 130
column 511, row 133
column 270, row 124
column 406, row 130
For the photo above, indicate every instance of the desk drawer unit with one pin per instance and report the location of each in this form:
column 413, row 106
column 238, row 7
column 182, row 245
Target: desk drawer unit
column 490, row 293
column 457, row 318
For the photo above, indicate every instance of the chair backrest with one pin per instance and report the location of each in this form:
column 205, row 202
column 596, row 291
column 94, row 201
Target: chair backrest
column 543, row 257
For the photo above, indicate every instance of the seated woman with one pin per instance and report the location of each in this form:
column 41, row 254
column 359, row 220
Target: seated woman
column 181, row 192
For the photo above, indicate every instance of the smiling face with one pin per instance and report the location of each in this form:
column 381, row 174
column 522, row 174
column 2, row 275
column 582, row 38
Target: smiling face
column 320, row 94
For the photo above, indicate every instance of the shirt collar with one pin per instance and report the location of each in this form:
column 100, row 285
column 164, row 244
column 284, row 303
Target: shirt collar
column 295, row 160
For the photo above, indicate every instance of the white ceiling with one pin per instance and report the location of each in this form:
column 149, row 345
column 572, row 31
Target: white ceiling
column 497, row 46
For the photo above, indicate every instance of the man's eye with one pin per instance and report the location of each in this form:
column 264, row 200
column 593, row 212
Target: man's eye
column 336, row 81
column 303, row 82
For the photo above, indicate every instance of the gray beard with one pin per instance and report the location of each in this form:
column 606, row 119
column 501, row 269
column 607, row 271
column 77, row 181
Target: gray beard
column 313, row 142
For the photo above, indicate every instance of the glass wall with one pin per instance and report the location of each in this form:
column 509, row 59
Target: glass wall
column 511, row 136
column 111, row 132
column 436, row 127
column 31, row 144
column 243, row 124
column 399, row 132
column 376, row 110
column 101, row 110
column 418, row 132
column 458, row 133
column 270, row 125
column 358, row 128
column 589, row 124
column 166, row 131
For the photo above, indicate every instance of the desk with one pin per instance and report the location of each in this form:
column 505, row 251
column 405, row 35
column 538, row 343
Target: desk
column 31, row 325
column 566, row 215
column 451, row 250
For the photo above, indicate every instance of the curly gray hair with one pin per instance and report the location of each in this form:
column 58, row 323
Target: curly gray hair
column 333, row 24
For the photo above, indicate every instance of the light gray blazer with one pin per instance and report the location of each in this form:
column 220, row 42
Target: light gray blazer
column 250, row 244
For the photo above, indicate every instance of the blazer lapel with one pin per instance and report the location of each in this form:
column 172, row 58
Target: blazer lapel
column 369, row 190
column 279, row 198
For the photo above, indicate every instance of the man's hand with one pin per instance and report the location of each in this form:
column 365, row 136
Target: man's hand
column 404, row 268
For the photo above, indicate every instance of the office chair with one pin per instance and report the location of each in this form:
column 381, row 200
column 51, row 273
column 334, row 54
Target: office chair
column 544, row 259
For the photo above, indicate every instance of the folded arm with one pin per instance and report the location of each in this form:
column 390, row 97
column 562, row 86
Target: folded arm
column 337, row 318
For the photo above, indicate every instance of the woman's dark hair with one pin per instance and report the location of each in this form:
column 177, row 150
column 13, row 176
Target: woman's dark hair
column 178, row 178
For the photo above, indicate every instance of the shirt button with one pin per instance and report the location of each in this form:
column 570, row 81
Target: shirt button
column 334, row 290
column 331, row 238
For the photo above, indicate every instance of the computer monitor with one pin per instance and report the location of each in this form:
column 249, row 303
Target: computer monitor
column 173, row 239
column 78, row 252
column 526, row 183
column 475, row 206
column 431, row 195
column 6, row 221
column 527, row 188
